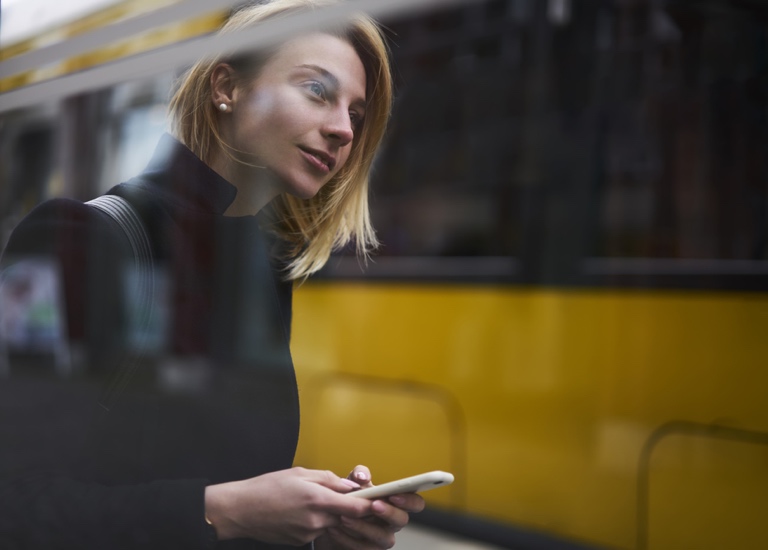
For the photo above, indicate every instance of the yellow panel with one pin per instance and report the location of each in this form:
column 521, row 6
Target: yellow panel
column 559, row 389
column 708, row 493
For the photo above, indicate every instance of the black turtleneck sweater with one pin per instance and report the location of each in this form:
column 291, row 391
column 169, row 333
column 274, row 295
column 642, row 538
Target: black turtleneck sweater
column 213, row 399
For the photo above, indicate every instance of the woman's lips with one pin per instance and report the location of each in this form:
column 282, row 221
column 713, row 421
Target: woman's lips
column 317, row 159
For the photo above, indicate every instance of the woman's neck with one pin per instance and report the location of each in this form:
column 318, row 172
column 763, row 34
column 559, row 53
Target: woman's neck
column 256, row 187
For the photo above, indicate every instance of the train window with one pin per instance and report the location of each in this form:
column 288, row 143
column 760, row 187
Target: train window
column 681, row 195
column 574, row 143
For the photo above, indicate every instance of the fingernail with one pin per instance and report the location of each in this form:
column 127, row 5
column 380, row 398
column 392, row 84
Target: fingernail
column 350, row 483
column 362, row 476
column 397, row 500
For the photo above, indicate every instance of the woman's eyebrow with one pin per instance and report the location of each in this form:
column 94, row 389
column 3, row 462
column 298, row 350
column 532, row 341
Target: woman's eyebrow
column 331, row 78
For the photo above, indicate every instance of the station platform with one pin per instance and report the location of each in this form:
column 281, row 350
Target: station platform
column 419, row 537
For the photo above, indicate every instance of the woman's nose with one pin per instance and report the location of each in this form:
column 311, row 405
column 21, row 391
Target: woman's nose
column 339, row 127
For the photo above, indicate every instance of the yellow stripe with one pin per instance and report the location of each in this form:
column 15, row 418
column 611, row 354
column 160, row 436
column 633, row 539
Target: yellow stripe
column 148, row 41
column 155, row 38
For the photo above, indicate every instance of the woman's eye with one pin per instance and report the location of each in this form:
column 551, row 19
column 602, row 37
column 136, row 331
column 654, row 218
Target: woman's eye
column 317, row 89
column 355, row 119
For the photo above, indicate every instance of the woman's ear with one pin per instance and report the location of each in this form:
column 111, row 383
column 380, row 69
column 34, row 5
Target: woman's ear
column 223, row 86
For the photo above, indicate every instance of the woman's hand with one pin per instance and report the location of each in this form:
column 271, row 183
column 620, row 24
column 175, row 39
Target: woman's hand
column 376, row 531
column 287, row 507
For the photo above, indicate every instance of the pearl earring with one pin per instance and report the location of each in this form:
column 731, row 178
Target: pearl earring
column 223, row 107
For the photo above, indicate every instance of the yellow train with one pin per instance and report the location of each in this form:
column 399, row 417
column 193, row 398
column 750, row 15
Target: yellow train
column 569, row 311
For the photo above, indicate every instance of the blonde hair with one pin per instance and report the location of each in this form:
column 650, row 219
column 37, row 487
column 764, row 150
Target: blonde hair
column 309, row 228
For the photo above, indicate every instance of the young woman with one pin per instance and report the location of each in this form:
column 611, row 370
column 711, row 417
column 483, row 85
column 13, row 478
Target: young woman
column 267, row 172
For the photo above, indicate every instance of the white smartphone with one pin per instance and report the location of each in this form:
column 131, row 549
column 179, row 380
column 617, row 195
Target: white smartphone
column 413, row 484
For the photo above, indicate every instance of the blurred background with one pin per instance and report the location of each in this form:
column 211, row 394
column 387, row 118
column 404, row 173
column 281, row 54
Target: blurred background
column 569, row 308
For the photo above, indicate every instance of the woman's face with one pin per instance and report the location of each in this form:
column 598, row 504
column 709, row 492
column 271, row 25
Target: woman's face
column 298, row 117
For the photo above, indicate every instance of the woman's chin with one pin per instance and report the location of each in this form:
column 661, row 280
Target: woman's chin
column 305, row 192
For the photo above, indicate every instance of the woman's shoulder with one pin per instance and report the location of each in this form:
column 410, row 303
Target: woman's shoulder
column 63, row 224
column 57, row 209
